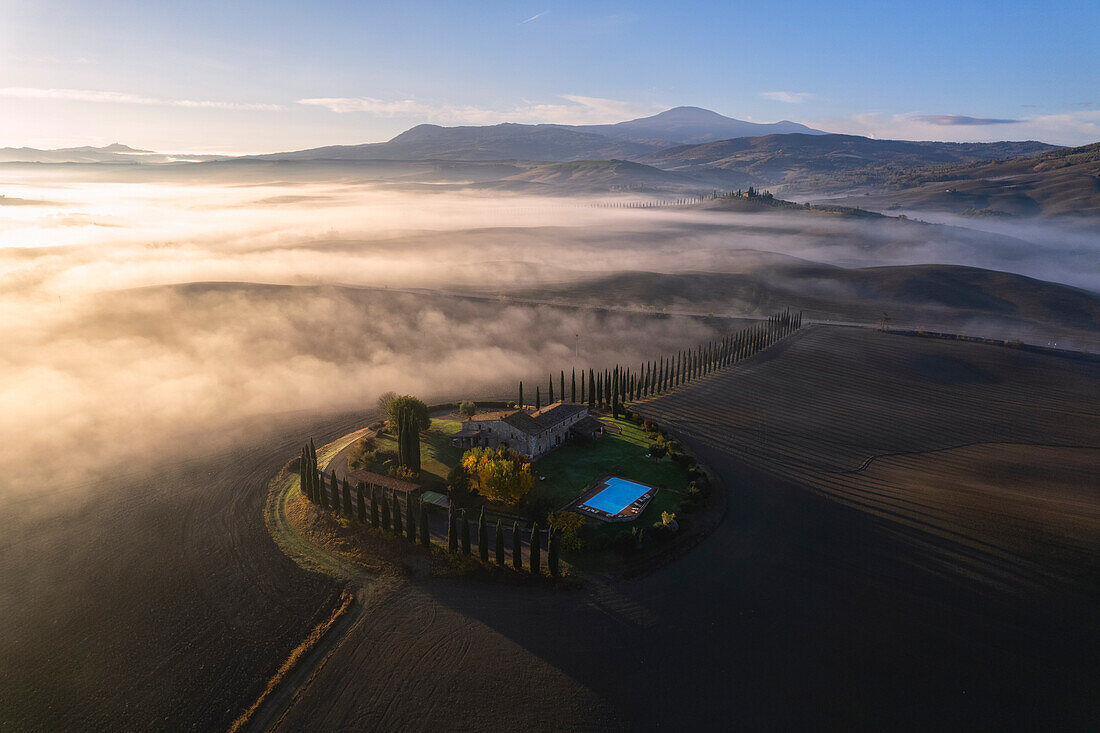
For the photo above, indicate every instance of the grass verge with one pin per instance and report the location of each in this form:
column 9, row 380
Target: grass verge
column 296, row 656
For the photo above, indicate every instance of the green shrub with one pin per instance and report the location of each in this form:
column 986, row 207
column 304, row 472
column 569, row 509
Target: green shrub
column 567, row 526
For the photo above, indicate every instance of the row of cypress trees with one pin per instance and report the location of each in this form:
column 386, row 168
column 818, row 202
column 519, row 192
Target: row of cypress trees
column 385, row 513
column 612, row 388
column 458, row 538
column 384, row 506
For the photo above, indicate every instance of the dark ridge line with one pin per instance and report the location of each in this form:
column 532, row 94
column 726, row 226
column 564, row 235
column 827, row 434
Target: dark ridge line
column 1004, row 343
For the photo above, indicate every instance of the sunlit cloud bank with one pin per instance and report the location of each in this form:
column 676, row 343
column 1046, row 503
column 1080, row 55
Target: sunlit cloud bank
column 120, row 343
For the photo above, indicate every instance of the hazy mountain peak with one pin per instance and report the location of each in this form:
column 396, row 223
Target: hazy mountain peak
column 689, row 125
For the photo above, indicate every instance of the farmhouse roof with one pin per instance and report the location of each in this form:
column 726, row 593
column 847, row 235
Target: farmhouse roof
column 556, row 413
column 518, row 419
column 587, row 424
column 531, row 424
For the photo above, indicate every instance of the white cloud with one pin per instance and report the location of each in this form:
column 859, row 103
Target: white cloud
column 534, row 17
column 1069, row 128
column 787, row 97
column 93, row 95
column 575, row 109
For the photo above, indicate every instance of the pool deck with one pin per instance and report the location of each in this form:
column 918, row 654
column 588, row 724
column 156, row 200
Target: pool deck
column 628, row 514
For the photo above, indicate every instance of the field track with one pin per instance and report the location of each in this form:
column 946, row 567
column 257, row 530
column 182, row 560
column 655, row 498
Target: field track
column 169, row 603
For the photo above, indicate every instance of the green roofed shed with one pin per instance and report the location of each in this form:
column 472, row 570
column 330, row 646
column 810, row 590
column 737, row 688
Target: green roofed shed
column 434, row 497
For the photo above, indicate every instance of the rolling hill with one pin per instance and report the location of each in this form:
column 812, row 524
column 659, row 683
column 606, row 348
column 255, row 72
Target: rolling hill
column 605, row 176
column 1064, row 182
column 937, row 297
column 826, row 162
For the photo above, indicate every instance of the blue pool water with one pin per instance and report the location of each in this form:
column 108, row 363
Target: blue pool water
column 618, row 495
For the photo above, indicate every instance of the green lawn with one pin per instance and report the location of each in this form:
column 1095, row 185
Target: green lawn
column 569, row 470
column 437, row 455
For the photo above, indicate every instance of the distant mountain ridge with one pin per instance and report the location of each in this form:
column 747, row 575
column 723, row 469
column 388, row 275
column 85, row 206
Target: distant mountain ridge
column 551, row 143
column 113, row 153
column 692, row 125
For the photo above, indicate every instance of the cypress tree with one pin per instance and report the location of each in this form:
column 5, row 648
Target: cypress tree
column 347, row 497
column 591, row 389
column 536, row 553
column 373, row 507
column 307, row 482
column 615, row 394
column 302, row 475
column 550, row 390
column 482, row 538
column 400, row 434
column 465, row 527
column 521, row 395
column 414, row 447
column 322, row 490
column 312, row 453
column 361, row 505
column 385, row 510
column 335, row 491
column 452, row 529
column 583, row 399
column 538, row 399
column 397, row 528
column 410, row 520
column 500, row 538
column 573, row 386
column 302, row 471
column 517, row 547
column 552, row 554
column 599, row 389
column 425, row 531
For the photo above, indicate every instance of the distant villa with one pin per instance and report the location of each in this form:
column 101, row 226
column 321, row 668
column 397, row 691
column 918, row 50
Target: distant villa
column 531, row 434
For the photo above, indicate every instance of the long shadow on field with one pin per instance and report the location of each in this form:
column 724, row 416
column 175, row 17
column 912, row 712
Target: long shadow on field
column 164, row 602
column 801, row 612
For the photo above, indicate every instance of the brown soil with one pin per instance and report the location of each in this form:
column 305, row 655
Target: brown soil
column 914, row 591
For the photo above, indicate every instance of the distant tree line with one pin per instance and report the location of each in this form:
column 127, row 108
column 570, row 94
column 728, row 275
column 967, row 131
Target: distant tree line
column 612, row 388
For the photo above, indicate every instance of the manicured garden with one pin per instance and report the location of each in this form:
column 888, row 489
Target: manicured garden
column 572, row 468
column 437, row 455
column 629, row 449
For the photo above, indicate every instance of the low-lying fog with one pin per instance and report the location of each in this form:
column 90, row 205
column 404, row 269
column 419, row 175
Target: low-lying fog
column 107, row 355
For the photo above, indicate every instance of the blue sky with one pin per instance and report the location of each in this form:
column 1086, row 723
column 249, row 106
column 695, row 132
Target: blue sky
column 252, row 76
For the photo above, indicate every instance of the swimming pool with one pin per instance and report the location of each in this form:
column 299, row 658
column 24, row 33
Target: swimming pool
column 618, row 495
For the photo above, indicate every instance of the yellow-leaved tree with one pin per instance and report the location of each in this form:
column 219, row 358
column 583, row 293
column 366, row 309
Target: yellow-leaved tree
column 501, row 474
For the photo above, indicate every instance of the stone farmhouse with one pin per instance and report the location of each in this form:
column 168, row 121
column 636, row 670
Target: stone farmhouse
column 531, row 434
